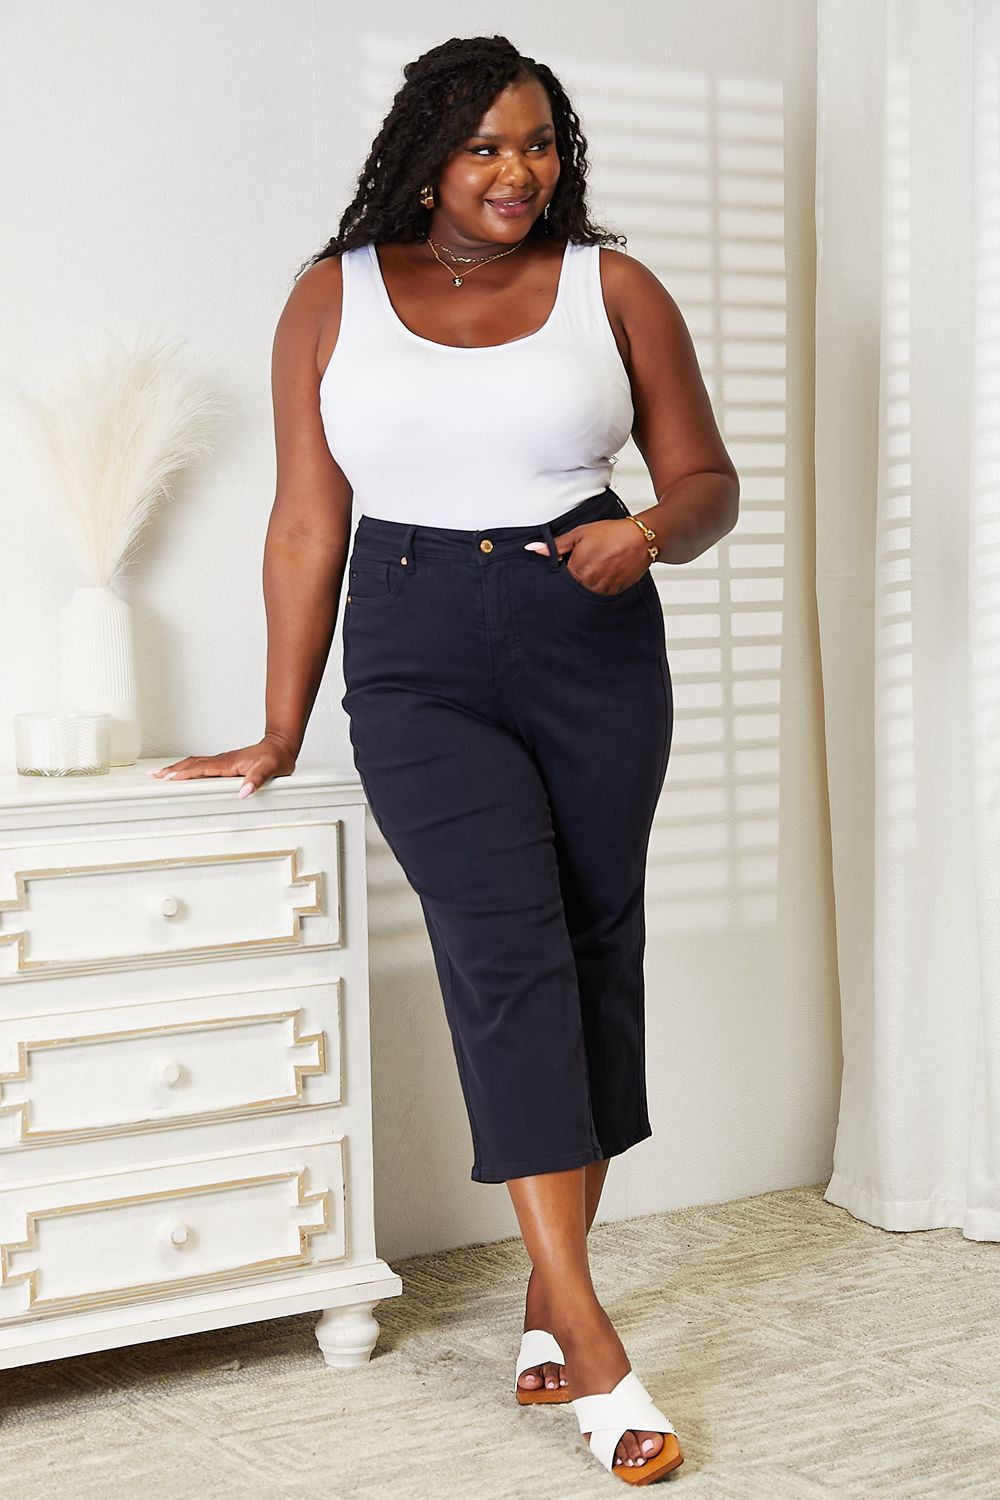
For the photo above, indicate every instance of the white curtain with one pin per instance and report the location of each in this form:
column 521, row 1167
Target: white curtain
column 908, row 593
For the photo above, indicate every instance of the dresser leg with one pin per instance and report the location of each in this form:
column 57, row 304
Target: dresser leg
column 347, row 1335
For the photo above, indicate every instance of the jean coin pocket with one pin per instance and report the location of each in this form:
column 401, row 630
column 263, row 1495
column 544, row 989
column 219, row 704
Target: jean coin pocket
column 370, row 581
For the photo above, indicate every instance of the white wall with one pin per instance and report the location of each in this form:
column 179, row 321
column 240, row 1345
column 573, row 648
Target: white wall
column 177, row 162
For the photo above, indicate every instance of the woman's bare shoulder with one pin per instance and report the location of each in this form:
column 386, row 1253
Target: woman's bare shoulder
column 314, row 307
column 637, row 301
column 625, row 276
column 631, row 289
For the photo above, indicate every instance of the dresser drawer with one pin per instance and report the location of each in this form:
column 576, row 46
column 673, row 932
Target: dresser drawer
column 152, row 897
column 100, row 1072
column 122, row 1237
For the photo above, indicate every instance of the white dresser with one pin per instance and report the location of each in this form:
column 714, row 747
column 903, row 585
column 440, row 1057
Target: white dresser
column 185, row 1079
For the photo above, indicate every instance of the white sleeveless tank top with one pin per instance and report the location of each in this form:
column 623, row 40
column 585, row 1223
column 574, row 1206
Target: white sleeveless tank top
column 496, row 435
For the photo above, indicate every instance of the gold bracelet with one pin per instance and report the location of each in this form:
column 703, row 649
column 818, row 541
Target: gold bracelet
column 650, row 536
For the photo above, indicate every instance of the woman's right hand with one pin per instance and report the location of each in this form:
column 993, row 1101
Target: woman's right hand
column 271, row 756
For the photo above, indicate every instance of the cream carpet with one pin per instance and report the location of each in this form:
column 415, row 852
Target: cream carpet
column 797, row 1351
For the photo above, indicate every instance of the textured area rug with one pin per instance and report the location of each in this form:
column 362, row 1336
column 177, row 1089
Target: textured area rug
column 798, row 1352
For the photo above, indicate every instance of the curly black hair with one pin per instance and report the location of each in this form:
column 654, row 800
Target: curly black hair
column 446, row 92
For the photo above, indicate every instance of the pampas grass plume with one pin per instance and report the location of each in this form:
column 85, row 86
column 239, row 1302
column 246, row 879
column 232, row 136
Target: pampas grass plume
column 111, row 434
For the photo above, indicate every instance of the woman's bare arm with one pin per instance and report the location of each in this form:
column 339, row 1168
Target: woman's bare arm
column 694, row 479
column 308, row 536
column 307, row 541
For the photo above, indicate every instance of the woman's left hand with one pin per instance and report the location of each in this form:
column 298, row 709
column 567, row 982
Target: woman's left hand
column 610, row 556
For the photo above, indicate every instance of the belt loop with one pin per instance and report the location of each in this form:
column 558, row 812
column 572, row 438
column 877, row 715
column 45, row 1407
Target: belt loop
column 406, row 552
column 550, row 542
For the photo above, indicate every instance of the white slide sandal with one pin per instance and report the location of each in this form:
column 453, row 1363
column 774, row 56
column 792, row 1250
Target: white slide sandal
column 629, row 1407
column 539, row 1347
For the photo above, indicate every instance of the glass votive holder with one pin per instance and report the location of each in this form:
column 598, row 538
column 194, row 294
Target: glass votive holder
column 62, row 744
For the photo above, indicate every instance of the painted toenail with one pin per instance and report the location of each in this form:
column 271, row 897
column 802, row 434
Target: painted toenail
column 647, row 1445
column 640, row 1460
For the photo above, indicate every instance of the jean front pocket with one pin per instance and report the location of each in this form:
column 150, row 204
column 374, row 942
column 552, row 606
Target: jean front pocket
column 372, row 581
column 592, row 594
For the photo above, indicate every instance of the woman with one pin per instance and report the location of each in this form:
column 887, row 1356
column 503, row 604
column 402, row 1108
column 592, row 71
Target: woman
column 465, row 359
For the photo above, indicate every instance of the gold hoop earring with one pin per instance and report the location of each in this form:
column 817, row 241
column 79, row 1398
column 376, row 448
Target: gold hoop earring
column 427, row 197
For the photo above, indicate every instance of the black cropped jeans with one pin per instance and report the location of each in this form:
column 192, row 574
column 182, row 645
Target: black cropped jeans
column 511, row 729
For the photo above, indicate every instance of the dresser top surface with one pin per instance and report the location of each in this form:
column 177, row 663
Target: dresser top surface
column 133, row 783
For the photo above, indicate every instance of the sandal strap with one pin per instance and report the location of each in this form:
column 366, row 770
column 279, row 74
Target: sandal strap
column 538, row 1347
column 610, row 1414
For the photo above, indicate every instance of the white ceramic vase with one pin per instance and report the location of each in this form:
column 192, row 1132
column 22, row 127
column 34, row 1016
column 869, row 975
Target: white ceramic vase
column 97, row 665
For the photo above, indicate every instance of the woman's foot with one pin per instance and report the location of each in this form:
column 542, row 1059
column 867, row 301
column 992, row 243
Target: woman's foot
column 596, row 1361
column 536, row 1315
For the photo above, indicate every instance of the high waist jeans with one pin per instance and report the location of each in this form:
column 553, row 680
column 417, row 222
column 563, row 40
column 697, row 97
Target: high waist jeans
column 511, row 729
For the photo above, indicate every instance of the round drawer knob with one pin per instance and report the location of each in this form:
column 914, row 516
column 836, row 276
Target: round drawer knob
column 169, row 1072
column 176, row 1234
column 170, row 906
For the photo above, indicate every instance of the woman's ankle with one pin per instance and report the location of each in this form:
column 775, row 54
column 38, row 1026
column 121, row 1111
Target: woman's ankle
column 578, row 1322
column 545, row 1294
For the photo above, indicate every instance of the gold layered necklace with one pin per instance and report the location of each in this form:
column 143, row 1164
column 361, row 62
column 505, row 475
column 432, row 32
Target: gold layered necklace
column 470, row 260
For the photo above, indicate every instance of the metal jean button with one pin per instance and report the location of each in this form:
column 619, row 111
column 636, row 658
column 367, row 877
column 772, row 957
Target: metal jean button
column 486, row 545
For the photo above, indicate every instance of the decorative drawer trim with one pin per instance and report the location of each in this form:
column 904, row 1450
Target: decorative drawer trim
column 138, row 1237
column 164, row 897
column 44, row 1089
